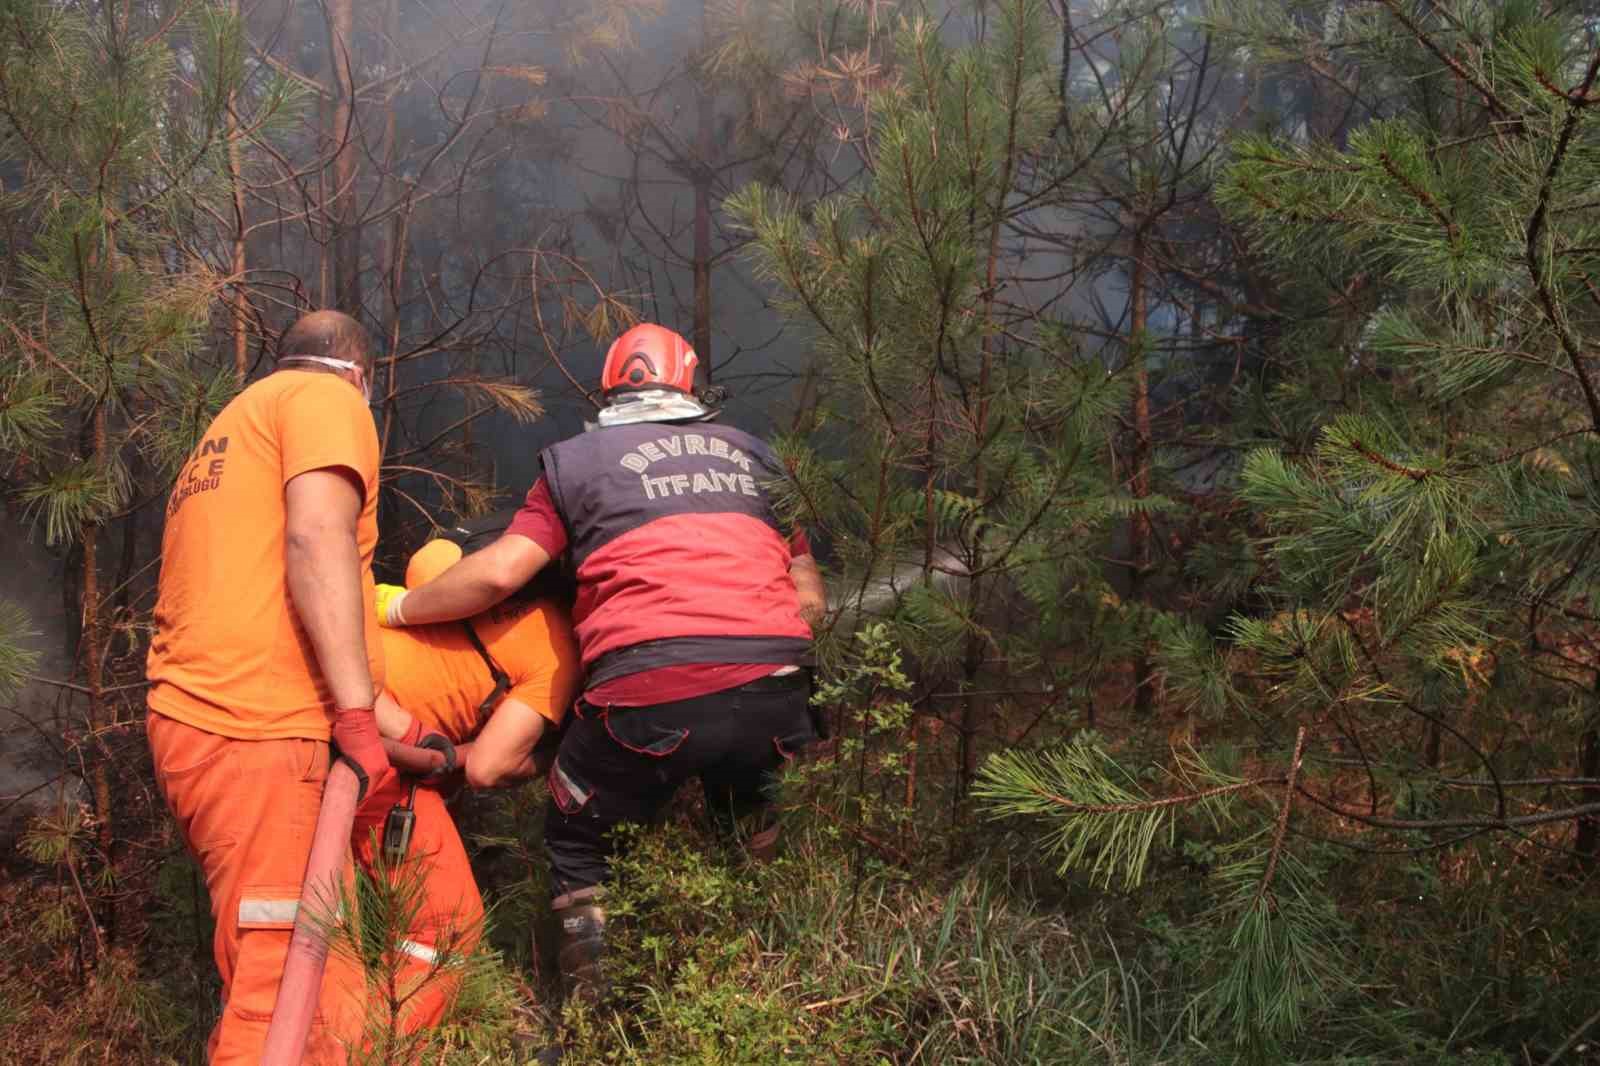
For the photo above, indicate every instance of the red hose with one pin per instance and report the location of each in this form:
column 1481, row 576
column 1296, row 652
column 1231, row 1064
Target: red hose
column 420, row 761
column 301, row 984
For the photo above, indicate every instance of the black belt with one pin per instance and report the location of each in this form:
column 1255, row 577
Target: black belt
column 796, row 679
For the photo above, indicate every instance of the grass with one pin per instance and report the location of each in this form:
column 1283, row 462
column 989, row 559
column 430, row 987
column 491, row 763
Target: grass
column 798, row 961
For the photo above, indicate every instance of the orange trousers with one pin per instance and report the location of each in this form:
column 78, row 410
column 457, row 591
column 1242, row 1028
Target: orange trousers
column 449, row 914
column 247, row 810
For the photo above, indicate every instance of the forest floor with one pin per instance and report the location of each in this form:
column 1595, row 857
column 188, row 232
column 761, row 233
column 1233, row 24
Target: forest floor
column 876, row 940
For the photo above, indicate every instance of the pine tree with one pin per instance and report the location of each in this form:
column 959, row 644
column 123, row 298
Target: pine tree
column 704, row 108
column 104, row 386
column 1423, row 665
column 1122, row 213
column 961, row 473
column 1428, row 549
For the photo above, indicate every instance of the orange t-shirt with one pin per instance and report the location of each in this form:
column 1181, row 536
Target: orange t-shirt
column 229, row 655
column 435, row 673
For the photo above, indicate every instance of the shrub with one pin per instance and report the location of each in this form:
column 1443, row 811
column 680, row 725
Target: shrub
column 717, row 962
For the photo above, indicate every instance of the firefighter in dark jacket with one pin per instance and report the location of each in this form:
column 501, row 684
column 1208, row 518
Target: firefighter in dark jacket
column 693, row 617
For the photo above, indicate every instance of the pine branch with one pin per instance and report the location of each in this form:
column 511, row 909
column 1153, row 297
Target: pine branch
column 15, row 659
column 43, row 351
column 1282, row 830
column 1422, row 195
column 1076, row 793
column 1414, row 473
column 1521, row 821
column 1535, row 229
column 1490, row 98
column 1164, row 803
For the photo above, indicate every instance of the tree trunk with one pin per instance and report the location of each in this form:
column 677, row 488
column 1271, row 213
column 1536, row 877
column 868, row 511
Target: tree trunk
column 391, row 251
column 325, row 271
column 702, row 272
column 976, row 642
column 908, row 826
column 122, row 589
column 807, row 397
column 390, row 524
column 241, row 340
column 1139, row 532
column 99, row 719
column 704, row 147
column 392, row 257
column 346, row 228
column 1587, row 844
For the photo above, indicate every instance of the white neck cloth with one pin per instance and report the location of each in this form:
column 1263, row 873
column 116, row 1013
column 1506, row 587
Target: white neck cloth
column 337, row 364
column 652, row 405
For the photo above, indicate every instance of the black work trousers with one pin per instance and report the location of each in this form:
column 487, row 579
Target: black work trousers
column 623, row 764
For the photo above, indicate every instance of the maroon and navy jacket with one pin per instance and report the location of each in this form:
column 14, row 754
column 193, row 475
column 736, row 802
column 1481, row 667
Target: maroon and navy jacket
column 679, row 555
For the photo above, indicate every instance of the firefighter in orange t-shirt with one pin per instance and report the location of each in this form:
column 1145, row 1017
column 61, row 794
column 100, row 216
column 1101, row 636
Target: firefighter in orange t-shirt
column 265, row 650
column 437, row 681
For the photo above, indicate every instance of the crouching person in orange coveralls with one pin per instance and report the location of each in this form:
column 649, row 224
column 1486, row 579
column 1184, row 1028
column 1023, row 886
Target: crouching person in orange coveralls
column 493, row 684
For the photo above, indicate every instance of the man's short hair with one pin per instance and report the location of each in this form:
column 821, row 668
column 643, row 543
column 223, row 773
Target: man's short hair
column 331, row 335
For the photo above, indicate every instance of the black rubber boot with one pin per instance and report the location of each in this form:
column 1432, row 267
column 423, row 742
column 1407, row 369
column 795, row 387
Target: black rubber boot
column 582, row 943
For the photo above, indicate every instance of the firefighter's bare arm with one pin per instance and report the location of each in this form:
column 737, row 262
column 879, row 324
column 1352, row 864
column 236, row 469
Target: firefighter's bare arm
column 323, row 566
column 393, row 720
column 808, row 584
column 396, row 723
column 471, row 586
column 502, row 752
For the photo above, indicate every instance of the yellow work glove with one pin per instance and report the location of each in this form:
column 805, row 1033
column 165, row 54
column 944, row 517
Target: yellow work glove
column 387, row 605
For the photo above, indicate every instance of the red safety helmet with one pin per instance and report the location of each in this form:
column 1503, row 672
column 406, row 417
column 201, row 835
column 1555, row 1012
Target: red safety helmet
column 649, row 356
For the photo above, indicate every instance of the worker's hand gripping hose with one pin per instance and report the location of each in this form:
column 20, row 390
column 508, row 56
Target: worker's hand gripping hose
column 422, row 761
column 301, row 985
column 432, row 740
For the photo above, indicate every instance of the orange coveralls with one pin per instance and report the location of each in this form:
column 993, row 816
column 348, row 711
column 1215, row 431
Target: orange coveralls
column 239, row 711
column 436, row 675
